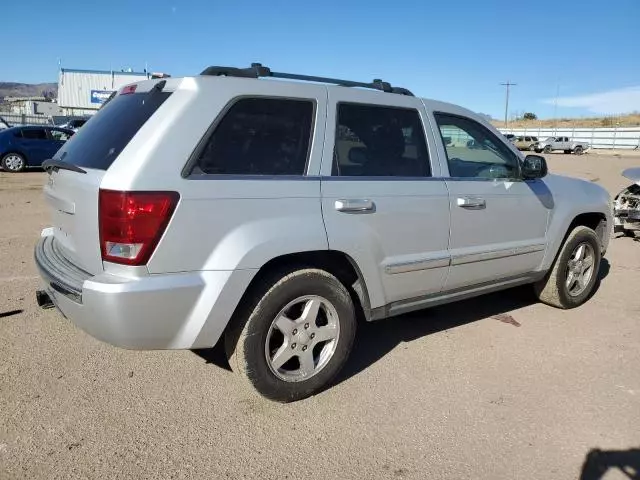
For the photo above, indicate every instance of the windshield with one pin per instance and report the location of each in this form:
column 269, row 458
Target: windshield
column 101, row 139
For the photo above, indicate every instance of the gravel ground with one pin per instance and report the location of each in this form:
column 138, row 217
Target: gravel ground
column 496, row 387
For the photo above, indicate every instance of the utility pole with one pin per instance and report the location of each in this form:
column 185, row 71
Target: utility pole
column 555, row 107
column 506, row 106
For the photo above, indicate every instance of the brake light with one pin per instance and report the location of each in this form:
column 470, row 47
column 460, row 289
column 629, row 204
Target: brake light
column 128, row 89
column 132, row 223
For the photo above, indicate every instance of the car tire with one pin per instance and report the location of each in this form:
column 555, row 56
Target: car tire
column 556, row 288
column 578, row 150
column 547, row 149
column 532, row 148
column 13, row 163
column 253, row 340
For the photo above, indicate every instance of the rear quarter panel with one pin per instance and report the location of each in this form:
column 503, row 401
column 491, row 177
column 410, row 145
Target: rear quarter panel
column 222, row 222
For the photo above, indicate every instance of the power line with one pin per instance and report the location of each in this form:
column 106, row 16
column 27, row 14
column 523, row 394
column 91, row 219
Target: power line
column 506, row 106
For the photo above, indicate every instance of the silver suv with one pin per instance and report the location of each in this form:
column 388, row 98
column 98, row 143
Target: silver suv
column 271, row 215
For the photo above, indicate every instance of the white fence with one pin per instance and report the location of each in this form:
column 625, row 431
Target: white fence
column 19, row 119
column 624, row 138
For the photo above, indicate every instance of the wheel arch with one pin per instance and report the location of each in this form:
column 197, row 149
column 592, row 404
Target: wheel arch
column 597, row 221
column 338, row 263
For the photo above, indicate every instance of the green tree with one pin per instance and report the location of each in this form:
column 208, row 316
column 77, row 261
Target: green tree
column 530, row 116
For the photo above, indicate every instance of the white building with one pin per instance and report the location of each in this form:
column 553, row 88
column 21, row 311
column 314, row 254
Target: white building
column 81, row 92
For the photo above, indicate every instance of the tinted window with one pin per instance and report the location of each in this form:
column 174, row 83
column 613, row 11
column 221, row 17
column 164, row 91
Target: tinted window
column 34, row 133
column 101, row 140
column 260, row 136
column 380, row 141
column 474, row 151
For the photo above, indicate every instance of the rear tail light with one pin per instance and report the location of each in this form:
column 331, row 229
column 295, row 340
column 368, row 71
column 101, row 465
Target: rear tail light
column 132, row 223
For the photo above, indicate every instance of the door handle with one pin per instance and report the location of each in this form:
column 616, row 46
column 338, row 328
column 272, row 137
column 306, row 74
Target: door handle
column 354, row 205
column 472, row 203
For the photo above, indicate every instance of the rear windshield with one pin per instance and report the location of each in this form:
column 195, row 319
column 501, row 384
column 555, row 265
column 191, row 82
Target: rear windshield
column 105, row 135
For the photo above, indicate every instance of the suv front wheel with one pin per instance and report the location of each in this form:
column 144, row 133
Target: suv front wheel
column 574, row 273
column 293, row 335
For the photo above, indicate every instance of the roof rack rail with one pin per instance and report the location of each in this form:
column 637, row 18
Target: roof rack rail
column 257, row 70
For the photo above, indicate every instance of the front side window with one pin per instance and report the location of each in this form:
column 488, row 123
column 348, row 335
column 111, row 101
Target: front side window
column 34, row 134
column 473, row 151
column 260, row 136
column 374, row 140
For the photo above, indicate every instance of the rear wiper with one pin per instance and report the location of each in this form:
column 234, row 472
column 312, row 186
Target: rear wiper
column 55, row 165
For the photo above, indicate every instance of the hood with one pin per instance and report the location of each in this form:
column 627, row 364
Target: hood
column 632, row 174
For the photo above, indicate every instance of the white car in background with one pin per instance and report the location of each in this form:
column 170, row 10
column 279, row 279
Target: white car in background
column 566, row 144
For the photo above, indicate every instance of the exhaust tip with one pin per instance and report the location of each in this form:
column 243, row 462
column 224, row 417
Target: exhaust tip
column 43, row 299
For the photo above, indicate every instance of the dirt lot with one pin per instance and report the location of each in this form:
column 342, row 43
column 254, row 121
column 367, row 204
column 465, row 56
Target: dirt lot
column 497, row 387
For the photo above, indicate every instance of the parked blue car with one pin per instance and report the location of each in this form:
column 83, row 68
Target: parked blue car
column 29, row 146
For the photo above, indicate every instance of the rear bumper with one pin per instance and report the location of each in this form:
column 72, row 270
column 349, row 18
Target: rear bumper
column 170, row 311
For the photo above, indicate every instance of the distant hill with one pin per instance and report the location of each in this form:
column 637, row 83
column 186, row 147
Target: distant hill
column 12, row 89
column 628, row 120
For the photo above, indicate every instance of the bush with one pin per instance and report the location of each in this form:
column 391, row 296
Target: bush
column 530, row 116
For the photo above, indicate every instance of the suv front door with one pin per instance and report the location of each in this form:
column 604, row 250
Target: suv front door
column 498, row 221
column 383, row 202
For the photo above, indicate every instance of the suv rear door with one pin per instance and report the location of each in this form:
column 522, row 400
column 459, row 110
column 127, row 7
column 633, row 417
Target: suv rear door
column 498, row 221
column 382, row 201
column 73, row 195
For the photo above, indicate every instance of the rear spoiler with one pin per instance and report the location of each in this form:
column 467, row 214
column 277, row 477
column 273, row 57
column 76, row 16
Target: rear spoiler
column 113, row 94
column 131, row 88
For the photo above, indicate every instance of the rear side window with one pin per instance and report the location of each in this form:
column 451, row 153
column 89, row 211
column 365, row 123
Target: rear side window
column 101, row 139
column 259, row 136
column 34, row 133
column 376, row 141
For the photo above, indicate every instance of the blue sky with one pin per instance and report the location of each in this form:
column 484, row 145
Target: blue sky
column 458, row 51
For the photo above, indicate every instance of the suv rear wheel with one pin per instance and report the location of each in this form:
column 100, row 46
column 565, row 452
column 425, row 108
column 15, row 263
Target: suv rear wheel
column 294, row 335
column 574, row 273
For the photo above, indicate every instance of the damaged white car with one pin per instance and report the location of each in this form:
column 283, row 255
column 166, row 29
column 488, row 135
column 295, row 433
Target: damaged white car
column 626, row 205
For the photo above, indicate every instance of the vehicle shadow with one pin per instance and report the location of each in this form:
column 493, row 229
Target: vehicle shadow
column 376, row 339
column 215, row 356
column 598, row 463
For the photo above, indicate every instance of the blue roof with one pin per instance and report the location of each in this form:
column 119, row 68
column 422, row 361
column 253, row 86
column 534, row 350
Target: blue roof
column 106, row 72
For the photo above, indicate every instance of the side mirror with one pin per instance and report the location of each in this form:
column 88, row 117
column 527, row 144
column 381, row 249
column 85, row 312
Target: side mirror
column 534, row 166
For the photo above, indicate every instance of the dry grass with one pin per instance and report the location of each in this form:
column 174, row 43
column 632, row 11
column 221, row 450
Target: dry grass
column 630, row 120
